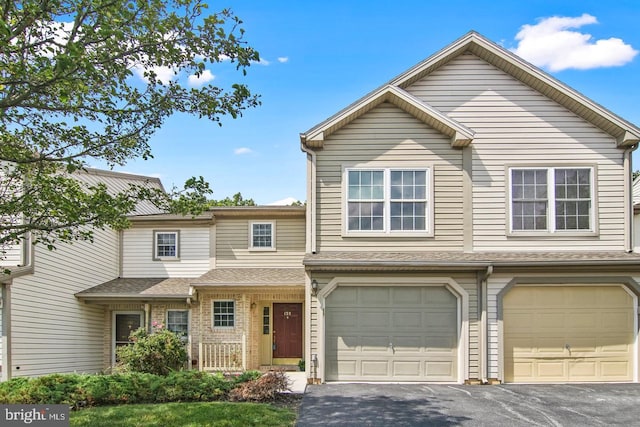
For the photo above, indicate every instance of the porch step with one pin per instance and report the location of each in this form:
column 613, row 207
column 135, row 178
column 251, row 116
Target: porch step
column 287, row 368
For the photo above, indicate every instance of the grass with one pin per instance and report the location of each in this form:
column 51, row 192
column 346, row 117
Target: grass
column 205, row 414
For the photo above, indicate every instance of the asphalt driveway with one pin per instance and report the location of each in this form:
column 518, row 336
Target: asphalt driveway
column 452, row 405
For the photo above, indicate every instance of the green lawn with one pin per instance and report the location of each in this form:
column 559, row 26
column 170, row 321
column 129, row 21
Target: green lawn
column 185, row 415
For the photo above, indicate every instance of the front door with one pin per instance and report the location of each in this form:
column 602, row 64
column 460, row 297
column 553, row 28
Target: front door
column 287, row 330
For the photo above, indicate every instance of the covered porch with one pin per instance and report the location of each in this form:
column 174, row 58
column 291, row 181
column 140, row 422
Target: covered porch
column 253, row 318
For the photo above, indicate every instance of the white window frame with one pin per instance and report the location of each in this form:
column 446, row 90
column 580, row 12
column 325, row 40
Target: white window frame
column 386, row 231
column 213, row 314
column 182, row 310
column 156, row 256
column 273, row 236
column 551, row 202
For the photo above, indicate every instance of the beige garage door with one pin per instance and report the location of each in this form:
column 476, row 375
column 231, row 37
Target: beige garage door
column 386, row 333
column 570, row 333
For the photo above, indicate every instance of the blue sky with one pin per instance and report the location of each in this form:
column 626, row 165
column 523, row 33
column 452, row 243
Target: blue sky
column 318, row 57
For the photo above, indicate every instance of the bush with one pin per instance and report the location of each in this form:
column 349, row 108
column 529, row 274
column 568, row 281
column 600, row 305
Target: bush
column 262, row 389
column 97, row 390
column 158, row 353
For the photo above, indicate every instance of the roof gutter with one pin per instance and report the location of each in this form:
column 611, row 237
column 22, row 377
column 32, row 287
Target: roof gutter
column 628, row 197
column 311, row 195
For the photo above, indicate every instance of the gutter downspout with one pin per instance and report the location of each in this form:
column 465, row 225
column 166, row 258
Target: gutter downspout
column 628, row 198
column 311, row 196
column 483, row 351
column 310, row 248
column 28, row 256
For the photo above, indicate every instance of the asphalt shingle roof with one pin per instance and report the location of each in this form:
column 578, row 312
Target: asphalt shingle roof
column 179, row 287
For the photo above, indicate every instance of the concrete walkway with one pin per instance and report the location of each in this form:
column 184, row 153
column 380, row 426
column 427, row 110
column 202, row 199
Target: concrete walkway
column 298, row 382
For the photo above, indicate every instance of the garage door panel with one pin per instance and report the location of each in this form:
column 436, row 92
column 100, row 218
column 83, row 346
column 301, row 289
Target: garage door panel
column 583, row 369
column 376, row 296
column 553, row 370
column 375, row 343
column 613, row 320
column 596, row 322
column 375, row 368
column 406, row 368
column 343, row 343
column 399, row 334
column 615, row 369
column 342, row 320
column 374, row 320
column 407, row 320
column 407, row 296
column 581, row 320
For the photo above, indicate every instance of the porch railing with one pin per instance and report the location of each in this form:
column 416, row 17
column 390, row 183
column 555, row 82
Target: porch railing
column 223, row 356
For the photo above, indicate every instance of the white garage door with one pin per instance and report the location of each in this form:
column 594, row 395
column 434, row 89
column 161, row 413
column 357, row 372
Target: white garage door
column 387, row 333
column 568, row 334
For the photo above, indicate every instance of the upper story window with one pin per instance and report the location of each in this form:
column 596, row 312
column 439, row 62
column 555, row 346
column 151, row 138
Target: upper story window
column 262, row 236
column 224, row 314
column 555, row 199
column 165, row 245
column 388, row 201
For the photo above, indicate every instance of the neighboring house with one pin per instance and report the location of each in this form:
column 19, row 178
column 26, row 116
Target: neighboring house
column 45, row 328
column 471, row 220
column 230, row 280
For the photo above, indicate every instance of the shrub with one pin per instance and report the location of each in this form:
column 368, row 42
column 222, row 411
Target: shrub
column 158, row 353
column 262, row 389
column 96, row 390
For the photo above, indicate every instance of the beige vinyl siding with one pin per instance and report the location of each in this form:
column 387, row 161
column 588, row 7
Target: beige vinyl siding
column 466, row 281
column 516, row 125
column 636, row 233
column 10, row 255
column 232, row 243
column 138, row 249
column 392, row 138
column 52, row 331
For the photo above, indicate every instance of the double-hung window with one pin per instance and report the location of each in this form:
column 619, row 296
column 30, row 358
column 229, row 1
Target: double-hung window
column 224, row 314
column 165, row 245
column 262, row 236
column 388, row 201
column 554, row 199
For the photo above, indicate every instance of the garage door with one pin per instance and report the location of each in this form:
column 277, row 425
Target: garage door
column 385, row 333
column 570, row 333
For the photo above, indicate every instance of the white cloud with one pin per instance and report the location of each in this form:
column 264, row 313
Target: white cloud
column 553, row 43
column 242, row 150
column 283, row 59
column 203, row 78
column 163, row 74
column 284, row 202
column 261, row 62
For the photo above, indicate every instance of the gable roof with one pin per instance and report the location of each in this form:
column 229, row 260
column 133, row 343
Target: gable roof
column 626, row 133
column 460, row 135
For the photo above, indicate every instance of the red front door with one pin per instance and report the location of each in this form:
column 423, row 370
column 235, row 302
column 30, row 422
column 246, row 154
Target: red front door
column 287, row 330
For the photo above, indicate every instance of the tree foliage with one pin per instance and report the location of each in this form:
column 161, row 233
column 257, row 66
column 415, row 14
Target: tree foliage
column 90, row 81
column 236, row 200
